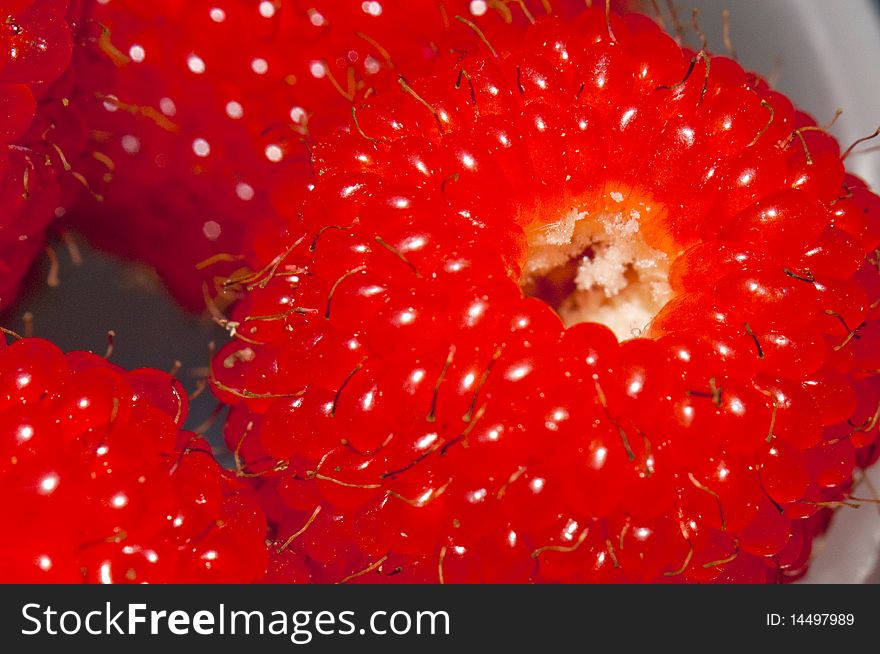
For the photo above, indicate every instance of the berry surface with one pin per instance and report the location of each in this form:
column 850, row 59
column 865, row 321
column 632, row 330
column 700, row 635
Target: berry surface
column 101, row 484
column 39, row 132
column 579, row 305
column 205, row 119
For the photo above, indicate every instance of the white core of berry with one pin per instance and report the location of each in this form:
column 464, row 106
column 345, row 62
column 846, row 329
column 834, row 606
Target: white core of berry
column 201, row 147
column 478, row 7
column 217, row 15
column 260, row 66
column 137, row 53
column 195, row 64
column 619, row 280
column 316, row 18
column 267, row 9
column 234, row 110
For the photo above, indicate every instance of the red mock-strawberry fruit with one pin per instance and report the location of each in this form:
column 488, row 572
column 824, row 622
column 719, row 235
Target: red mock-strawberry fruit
column 101, row 484
column 579, row 305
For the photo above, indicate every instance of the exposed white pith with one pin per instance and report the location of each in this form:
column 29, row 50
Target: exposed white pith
column 619, row 280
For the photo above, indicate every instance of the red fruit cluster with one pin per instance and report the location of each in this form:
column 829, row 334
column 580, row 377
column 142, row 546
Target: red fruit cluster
column 205, row 122
column 412, row 413
column 100, row 484
column 42, row 47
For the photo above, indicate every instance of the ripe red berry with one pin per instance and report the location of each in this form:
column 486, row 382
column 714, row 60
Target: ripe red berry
column 432, row 384
column 102, row 485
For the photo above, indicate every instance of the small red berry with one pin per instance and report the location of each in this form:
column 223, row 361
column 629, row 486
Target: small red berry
column 103, row 486
column 613, row 178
